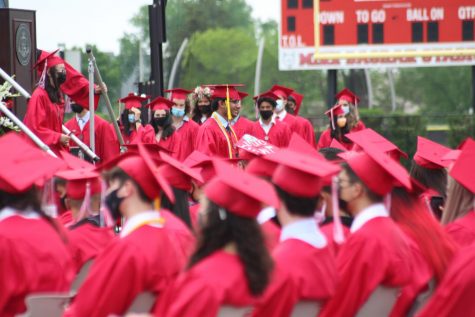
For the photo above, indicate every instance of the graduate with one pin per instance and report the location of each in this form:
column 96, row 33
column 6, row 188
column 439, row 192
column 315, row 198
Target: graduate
column 130, row 121
column 105, row 141
column 306, row 267
column 34, row 255
column 216, row 137
column 459, row 211
column 186, row 128
column 294, row 103
column 349, row 102
column 230, row 265
column 151, row 249
column 369, row 258
column 160, row 130
column 201, row 107
column 280, row 114
column 267, row 128
column 338, row 130
column 240, row 124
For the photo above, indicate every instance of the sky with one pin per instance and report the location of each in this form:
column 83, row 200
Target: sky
column 81, row 21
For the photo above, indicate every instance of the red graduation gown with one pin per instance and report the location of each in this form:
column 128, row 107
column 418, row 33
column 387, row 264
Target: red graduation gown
column 271, row 232
column 212, row 141
column 325, row 140
column 327, row 230
column 279, row 133
column 147, row 135
column 215, row 281
column 307, row 131
column 45, row 119
column 33, row 259
column 455, row 293
column 187, row 132
column 128, row 138
column 129, row 266
column 462, row 230
column 106, row 144
column 242, row 126
column 87, row 241
column 368, row 259
column 303, row 272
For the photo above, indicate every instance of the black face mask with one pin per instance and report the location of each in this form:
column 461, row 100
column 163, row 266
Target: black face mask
column 113, row 202
column 206, row 110
column 61, row 77
column 160, row 121
column 76, row 108
column 266, row 114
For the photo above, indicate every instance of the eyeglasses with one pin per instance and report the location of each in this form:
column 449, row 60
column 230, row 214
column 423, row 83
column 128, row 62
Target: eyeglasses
column 341, row 181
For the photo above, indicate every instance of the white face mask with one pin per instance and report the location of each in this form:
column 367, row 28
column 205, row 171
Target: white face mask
column 280, row 105
column 346, row 109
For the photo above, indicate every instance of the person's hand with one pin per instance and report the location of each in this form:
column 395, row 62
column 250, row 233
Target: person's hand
column 98, row 89
column 64, row 140
column 136, row 112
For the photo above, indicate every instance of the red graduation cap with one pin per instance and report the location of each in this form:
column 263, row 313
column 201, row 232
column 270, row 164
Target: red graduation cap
column 298, row 144
column 429, row 154
column 366, row 137
column 463, row 170
column 332, row 112
column 203, row 163
column 178, row 174
column 160, row 103
column 48, row 59
column 377, row 170
column 73, row 162
column 348, row 95
column 77, row 182
column 300, row 174
column 220, row 91
column 153, row 149
column 298, row 101
column 239, row 192
column 242, row 94
column 23, row 165
column 451, row 156
column 255, row 146
column 261, row 167
column 281, row 91
column 267, row 94
column 337, row 145
column 178, row 93
column 133, row 100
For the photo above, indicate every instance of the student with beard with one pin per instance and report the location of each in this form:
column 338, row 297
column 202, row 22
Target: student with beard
column 45, row 111
column 201, row 105
column 160, row 130
column 130, row 120
column 267, row 128
column 339, row 127
column 105, row 141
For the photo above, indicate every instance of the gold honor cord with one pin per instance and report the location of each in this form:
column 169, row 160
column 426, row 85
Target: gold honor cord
column 223, row 129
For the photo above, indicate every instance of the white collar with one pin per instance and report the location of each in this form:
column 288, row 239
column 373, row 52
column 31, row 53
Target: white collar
column 151, row 218
column 272, row 122
column 203, row 118
column 281, row 115
column 305, row 230
column 85, row 118
column 8, row 212
column 367, row 214
column 266, row 214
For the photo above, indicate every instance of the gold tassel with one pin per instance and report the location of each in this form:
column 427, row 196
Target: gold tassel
column 228, row 105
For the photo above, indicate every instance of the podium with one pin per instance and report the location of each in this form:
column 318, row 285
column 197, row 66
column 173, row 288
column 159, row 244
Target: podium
column 18, row 50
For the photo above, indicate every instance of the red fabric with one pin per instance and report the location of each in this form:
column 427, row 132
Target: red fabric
column 242, row 126
column 87, row 241
column 279, row 133
column 66, row 218
column 271, row 232
column 292, row 122
column 306, row 131
column 106, row 144
column 325, row 140
column 187, row 132
column 128, row 266
column 172, row 143
column 462, row 230
column 303, row 273
column 327, row 230
column 128, row 139
column 45, row 119
column 211, row 140
column 33, row 259
column 455, row 293
column 366, row 260
column 200, row 291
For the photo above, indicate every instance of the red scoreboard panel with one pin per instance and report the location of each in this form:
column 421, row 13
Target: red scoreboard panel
column 376, row 33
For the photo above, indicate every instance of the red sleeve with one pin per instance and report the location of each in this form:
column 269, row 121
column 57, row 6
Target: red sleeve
column 11, row 276
column 106, row 140
column 205, row 142
column 76, row 87
column 145, row 134
column 325, row 139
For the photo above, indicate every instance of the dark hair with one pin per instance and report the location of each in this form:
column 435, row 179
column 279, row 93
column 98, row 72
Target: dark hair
column 330, row 153
column 302, row 206
column 266, row 99
column 168, row 128
column 215, row 103
column 29, row 200
column 247, row 235
column 54, row 93
column 124, row 120
column 116, row 173
column 196, row 115
column 291, row 99
column 180, row 208
column 353, row 178
column 430, row 178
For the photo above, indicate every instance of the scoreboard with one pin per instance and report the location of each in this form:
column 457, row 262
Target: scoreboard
column 341, row 34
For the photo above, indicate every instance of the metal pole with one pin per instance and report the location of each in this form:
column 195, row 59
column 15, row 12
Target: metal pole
column 257, row 79
column 176, row 62
column 110, row 111
column 369, row 86
column 156, row 14
column 331, row 86
column 90, row 70
column 392, row 89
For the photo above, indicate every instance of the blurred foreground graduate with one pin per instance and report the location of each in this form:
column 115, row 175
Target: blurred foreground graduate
column 230, row 265
column 33, row 251
column 152, row 248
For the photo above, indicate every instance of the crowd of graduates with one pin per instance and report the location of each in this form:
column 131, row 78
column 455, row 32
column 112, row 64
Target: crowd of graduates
column 209, row 213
